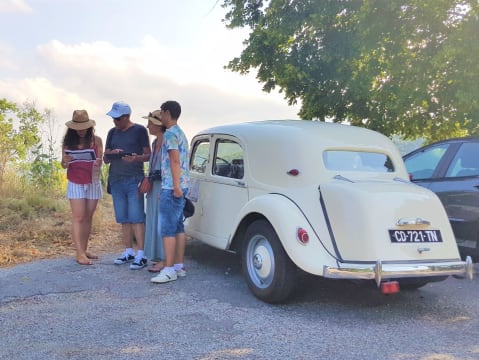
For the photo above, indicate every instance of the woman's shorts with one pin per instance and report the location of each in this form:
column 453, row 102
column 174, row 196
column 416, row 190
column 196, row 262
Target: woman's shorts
column 84, row 191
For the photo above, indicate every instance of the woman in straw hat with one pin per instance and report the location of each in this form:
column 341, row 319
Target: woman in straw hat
column 153, row 241
column 82, row 157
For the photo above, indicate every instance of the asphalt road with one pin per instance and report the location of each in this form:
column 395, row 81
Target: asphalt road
column 56, row 309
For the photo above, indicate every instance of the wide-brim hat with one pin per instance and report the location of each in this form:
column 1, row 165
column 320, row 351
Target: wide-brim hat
column 154, row 117
column 80, row 121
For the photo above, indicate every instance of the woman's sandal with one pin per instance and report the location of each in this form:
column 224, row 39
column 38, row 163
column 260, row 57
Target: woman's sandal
column 157, row 267
column 84, row 260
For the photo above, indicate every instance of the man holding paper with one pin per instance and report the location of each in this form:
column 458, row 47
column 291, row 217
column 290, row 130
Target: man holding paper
column 127, row 148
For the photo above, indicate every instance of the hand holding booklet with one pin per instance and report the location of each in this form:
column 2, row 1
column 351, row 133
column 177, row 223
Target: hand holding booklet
column 82, row 155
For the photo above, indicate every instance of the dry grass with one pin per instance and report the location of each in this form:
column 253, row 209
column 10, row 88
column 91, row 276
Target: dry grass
column 39, row 228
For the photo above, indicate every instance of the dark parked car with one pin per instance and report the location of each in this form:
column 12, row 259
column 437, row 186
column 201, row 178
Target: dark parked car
column 450, row 168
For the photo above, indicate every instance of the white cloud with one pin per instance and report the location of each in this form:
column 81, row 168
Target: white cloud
column 14, row 6
column 93, row 75
column 138, row 57
column 6, row 57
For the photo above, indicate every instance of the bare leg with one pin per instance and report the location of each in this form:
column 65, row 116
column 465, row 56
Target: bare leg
column 169, row 242
column 127, row 233
column 180, row 248
column 90, row 210
column 78, row 207
column 139, row 231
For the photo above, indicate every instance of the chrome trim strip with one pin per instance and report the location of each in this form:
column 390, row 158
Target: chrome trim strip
column 380, row 271
column 416, row 221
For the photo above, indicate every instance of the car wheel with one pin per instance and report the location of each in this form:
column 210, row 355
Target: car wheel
column 268, row 270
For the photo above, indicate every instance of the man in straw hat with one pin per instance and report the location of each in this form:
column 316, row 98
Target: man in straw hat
column 127, row 148
column 82, row 153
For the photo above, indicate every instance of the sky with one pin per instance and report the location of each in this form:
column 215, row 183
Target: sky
column 86, row 54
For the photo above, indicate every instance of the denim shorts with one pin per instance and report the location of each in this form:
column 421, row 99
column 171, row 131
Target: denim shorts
column 171, row 213
column 128, row 202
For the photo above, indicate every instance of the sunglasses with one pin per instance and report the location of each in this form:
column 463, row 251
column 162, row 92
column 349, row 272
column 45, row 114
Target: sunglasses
column 118, row 118
column 154, row 116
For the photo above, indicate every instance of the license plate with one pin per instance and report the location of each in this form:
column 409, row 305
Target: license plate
column 415, row 236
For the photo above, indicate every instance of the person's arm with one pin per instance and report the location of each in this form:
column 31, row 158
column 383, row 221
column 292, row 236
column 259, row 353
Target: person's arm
column 66, row 159
column 108, row 150
column 99, row 149
column 175, row 172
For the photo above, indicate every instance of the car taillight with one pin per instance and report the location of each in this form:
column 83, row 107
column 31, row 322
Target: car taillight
column 410, row 177
column 302, row 236
column 389, row 287
column 293, row 172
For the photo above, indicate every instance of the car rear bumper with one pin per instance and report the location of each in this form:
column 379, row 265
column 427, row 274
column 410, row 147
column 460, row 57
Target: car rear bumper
column 380, row 271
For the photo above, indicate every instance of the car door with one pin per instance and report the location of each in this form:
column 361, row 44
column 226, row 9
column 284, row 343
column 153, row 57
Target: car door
column 218, row 185
column 458, row 188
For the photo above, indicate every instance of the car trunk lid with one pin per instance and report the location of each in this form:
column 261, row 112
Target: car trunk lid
column 388, row 220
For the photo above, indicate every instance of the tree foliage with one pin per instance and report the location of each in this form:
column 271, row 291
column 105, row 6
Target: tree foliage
column 404, row 67
column 17, row 141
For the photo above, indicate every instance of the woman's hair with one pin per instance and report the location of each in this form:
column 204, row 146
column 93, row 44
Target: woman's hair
column 72, row 140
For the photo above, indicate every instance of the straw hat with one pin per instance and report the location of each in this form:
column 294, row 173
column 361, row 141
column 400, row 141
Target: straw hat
column 154, row 117
column 80, row 121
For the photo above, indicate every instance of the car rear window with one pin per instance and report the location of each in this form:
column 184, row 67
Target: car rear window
column 347, row 160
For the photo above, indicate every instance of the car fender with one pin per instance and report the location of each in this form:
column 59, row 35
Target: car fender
column 286, row 217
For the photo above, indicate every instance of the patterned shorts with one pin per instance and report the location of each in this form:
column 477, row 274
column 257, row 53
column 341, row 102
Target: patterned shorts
column 84, row 191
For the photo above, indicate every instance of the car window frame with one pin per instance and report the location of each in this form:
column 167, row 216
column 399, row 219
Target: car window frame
column 214, row 155
column 454, row 157
column 194, row 147
column 442, row 165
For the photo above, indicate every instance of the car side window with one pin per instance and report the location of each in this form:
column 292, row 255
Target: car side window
column 199, row 156
column 228, row 159
column 465, row 162
column 423, row 164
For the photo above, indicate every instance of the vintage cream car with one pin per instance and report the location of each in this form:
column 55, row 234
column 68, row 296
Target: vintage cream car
column 332, row 200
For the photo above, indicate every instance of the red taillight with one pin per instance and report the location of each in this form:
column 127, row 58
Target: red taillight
column 302, row 236
column 390, row 287
column 410, row 177
column 294, row 172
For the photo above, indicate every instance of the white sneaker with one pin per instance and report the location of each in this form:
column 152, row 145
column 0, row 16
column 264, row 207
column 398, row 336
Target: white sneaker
column 164, row 276
column 181, row 272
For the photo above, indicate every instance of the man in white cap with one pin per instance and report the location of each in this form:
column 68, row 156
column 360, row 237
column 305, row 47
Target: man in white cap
column 127, row 148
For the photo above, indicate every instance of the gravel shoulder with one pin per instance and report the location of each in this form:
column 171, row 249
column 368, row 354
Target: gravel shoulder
column 56, row 309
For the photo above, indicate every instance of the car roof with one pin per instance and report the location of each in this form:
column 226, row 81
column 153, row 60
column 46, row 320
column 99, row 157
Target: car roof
column 294, row 132
column 443, row 141
column 299, row 144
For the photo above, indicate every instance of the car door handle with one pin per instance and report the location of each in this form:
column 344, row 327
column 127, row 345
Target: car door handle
column 412, row 221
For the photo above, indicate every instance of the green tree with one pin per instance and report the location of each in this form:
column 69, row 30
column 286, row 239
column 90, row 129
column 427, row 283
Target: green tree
column 17, row 141
column 399, row 67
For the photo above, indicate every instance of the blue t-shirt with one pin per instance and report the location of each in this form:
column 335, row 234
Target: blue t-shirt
column 132, row 140
column 174, row 139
